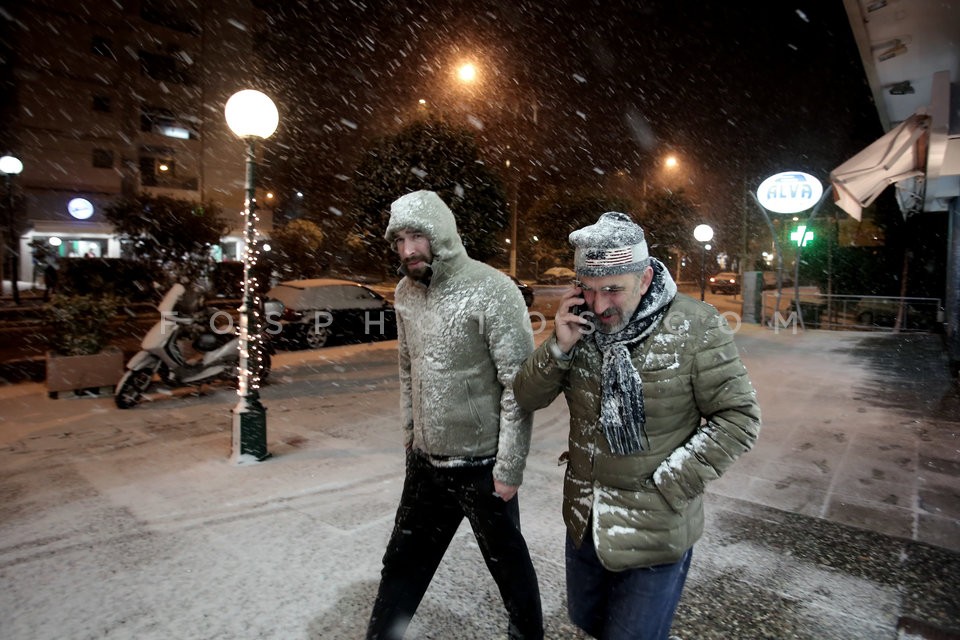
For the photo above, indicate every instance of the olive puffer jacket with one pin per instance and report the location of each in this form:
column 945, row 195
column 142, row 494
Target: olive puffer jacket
column 701, row 415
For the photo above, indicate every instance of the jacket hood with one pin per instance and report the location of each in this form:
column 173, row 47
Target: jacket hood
column 425, row 212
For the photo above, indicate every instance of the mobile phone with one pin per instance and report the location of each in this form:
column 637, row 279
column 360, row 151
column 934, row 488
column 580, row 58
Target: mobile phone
column 578, row 309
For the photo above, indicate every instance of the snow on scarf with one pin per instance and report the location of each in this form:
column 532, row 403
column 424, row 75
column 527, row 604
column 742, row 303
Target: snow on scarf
column 621, row 404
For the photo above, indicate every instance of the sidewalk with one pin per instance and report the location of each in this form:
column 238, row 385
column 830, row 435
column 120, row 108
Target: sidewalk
column 843, row 522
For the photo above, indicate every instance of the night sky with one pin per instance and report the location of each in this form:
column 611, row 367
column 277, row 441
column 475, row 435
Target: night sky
column 579, row 90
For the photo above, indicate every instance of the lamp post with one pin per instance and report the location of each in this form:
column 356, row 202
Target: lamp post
column 250, row 115
column 514, row 188
column 11, row 166
column 703, row 234
column 470, row 79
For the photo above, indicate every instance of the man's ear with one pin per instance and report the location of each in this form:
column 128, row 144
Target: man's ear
column 647, row 278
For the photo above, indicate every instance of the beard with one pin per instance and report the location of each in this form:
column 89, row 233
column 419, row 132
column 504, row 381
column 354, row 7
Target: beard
column 614, row 319
column 611, row 320
column 416, row 267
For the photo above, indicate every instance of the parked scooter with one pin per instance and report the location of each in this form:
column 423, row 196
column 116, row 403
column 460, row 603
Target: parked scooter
column 181, row 321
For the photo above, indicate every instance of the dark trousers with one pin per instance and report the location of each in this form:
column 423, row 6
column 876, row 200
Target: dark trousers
column 433, row 503
column 636, row 604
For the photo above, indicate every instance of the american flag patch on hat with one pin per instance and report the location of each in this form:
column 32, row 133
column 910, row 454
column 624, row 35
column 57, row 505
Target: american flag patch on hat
column 609, row 257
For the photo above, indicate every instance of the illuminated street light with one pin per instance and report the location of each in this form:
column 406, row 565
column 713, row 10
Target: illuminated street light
column 250, row 115
column 467, row 72
column 11, row 166
column 703, row 234
column 671, row 162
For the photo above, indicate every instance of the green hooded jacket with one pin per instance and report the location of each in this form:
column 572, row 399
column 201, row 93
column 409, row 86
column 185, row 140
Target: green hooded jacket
column 462, row 339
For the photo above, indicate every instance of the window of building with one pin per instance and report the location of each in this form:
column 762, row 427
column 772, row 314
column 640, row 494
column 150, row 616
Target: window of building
column 177, row 18
column 103, row 158
column 157, row 171
column 102, row 103
column 102, row 46
column 165, row 68
column 165, row 122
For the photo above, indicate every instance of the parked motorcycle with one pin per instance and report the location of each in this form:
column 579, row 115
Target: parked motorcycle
column 181, row 322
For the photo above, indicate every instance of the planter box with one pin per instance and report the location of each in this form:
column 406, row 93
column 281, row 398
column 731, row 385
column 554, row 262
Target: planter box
column 70, row 373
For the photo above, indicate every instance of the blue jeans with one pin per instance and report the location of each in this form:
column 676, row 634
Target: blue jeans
column 636, row 604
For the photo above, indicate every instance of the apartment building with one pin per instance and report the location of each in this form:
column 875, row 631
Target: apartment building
column 116, row 97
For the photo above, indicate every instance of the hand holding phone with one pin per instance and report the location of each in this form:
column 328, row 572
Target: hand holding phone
column 569, row 330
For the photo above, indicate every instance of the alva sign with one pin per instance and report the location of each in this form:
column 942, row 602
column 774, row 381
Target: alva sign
column 789, row 192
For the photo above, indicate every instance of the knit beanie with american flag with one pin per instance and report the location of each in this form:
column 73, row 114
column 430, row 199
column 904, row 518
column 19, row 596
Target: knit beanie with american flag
column 613, row 245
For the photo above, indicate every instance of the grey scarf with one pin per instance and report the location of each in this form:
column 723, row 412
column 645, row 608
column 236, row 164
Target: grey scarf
column 622, row 414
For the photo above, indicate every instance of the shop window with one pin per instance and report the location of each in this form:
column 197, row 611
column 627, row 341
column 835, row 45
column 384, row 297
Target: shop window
column 103, row 158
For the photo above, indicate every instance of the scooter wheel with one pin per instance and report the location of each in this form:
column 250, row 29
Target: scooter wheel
column 266, row 365
column 131, row 388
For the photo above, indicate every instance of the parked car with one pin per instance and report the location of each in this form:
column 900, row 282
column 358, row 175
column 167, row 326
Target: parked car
column 320, row 310
column 725, row 282
column 525, row 290
column 557, row 275
column 770, row 279
column 882, row 312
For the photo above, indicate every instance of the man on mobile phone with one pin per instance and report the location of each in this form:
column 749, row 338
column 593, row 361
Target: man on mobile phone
column 660, row 404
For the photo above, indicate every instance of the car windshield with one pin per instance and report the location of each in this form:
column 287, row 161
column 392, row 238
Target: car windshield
column 290, row 296
column 326, row 296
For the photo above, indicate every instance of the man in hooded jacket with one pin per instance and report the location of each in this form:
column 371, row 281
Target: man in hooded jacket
column 463, row 333
column 660, row 404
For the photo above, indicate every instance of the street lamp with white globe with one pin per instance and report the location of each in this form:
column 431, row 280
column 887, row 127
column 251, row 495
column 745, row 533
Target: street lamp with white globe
column 11, row 166
column 703, row 233
column 250, row 115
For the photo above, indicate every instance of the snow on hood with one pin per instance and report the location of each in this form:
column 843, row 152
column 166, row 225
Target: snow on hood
column 426, row 212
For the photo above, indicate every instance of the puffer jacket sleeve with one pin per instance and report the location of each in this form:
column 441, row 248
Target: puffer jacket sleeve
column 541, row 378
column 728, row 402
column 406, row 394
column 510, row 340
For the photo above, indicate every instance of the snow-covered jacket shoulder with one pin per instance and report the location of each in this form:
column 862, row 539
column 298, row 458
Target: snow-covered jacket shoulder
column 462, row 340
column 701, row 415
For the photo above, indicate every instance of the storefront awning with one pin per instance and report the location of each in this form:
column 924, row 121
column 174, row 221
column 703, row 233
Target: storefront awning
column 899, row 154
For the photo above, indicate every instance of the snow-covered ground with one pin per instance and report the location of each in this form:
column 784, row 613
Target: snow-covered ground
column 134, row 524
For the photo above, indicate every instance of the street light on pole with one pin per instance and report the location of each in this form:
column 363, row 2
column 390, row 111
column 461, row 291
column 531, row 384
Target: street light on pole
column 703, row 233
column 250, row 115
column 512, row 196
column 469, row 78
column 11, row 166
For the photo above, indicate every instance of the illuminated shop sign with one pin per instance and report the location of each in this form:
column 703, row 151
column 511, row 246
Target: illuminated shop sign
column 80, row 208
column 789, row 192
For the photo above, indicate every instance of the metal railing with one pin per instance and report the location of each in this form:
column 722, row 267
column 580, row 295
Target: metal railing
column 854, row 312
